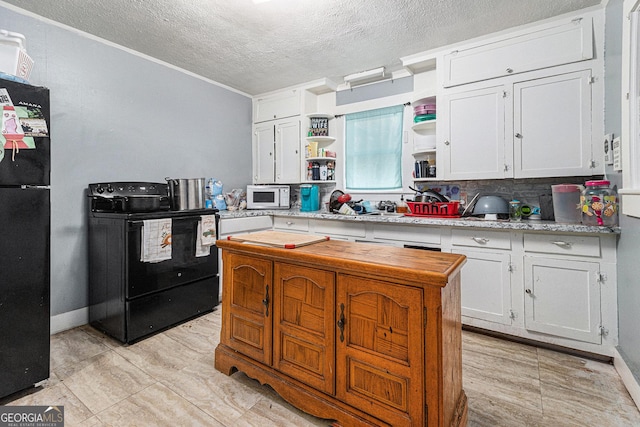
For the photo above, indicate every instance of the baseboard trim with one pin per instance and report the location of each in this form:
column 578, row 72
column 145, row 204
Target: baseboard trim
column 628, row 379
column 69, row 320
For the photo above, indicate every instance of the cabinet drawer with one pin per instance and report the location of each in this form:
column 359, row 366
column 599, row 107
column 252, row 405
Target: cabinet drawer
column 244, row 225
column 565, row 244
column 291, row 223
column 342, row 228
column 562, row 43
column 481, row 239
column 407, row 234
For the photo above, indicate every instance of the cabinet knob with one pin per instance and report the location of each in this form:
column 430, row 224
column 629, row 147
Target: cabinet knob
column 518, row 135
column 447, row 143
column 509, row 70
column 290, row 223
column 528, row 291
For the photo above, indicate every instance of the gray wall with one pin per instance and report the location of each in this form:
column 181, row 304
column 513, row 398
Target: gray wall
column 629, row 242
column 118, row 116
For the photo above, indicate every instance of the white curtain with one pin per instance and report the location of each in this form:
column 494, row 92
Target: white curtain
column 373, row 148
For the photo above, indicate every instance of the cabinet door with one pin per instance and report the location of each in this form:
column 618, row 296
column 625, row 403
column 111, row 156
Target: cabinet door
column 246, row 305
column 277, row 106
column 560, row 43
column 486, row 286
column 562, row 298
column 263, row 154
column 380, row 349
column 474, row 131
column 287, row 161
column 552, row 126
column 303, row 329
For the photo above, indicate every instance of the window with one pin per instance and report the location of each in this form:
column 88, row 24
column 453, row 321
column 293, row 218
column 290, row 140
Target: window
column 373, row 149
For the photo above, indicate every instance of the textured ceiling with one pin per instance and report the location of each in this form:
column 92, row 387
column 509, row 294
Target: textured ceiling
column 257, row 48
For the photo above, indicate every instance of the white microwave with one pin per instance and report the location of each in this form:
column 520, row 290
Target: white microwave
column 268, row 196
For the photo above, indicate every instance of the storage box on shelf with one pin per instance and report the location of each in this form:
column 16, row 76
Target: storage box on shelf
column 319, row 154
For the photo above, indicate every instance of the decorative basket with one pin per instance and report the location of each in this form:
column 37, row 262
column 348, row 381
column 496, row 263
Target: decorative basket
column 435, row 209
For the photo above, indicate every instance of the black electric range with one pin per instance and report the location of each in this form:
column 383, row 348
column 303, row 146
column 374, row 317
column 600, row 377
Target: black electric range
column 131, row 297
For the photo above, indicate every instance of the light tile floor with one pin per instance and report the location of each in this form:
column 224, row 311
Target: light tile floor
column 169, row 380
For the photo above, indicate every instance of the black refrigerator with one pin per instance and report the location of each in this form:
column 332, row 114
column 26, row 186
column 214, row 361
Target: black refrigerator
column 24, row 236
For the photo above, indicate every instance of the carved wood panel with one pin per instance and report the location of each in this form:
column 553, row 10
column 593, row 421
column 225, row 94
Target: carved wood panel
column 380, row 361
column 303, row 324
column 247, row 310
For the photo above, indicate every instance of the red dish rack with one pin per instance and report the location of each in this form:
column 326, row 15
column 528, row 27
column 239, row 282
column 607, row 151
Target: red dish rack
column 435, row 209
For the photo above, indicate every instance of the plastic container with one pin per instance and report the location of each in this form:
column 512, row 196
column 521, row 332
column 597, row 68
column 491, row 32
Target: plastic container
column 435, row 209
column 401, row 206
column 566, row 203
column 310, row 198
column 599, row 204
column 514, row 210
column 13, row 56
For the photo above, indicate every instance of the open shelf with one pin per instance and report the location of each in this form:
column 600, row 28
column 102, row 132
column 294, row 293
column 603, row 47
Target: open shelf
column 427, row 124
column 320, row 138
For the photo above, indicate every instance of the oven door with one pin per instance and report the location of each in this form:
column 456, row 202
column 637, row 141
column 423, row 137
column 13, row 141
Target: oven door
column 183, row 267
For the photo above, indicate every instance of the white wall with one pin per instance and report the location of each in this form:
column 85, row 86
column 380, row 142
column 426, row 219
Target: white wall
column 116, row 115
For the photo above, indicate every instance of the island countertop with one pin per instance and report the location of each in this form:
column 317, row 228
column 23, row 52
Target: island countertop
column 399, row 263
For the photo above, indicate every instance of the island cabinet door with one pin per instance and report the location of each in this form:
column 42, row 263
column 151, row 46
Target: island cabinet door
column 246, row 305
column 379, row 349
column 303, row 326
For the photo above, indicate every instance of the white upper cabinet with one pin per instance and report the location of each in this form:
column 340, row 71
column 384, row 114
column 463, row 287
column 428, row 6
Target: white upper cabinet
column 536, row 128
column 287, row 152
column 276, row 152
column 559, row 43
column 552, row 126
column 277, row 106
column 474, row 134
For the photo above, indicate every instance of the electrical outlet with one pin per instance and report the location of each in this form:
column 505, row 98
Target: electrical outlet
column 608, row 149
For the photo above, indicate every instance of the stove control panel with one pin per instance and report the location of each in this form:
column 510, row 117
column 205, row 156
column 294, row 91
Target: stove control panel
column 129, row 197
column 121, row 189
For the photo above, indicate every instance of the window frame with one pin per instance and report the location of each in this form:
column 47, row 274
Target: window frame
column 630, row 132
column 373, row 104
column 397, row 150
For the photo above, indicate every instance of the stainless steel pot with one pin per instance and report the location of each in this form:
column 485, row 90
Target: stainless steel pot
column 186, row 193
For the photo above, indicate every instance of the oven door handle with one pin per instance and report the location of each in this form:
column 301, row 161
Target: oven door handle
column 139, row 221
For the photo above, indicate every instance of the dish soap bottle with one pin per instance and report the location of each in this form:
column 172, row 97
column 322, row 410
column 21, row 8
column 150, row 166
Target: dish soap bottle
column 401, row 206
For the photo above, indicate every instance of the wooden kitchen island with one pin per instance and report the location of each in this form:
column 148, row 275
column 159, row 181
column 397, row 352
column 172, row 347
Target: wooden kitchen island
column 359, row 333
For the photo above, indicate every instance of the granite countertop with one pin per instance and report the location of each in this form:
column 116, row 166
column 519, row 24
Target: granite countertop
column 470, row 222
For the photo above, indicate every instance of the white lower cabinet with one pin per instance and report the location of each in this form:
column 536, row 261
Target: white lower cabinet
column 556, row 288
column 550, row 287
column 562, row 298
column 486, row 286
column 298, row 225
column 486, row 277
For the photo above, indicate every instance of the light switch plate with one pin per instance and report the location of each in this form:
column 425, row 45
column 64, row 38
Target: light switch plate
column 617, row 155
column 608, row 149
